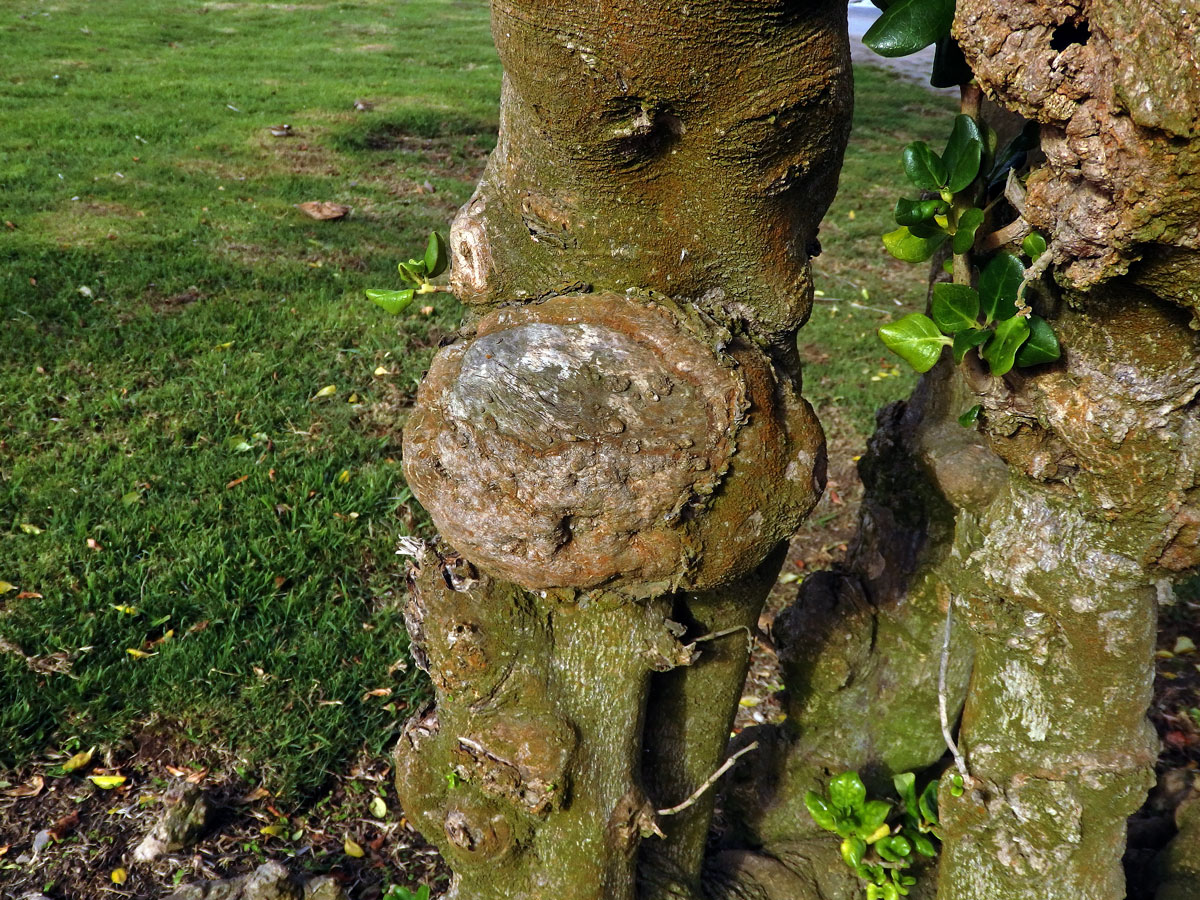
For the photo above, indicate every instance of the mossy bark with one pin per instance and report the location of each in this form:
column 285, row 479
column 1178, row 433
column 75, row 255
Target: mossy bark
column 615, row 448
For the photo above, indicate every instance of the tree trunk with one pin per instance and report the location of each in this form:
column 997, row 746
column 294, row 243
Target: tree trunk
column 615, row 447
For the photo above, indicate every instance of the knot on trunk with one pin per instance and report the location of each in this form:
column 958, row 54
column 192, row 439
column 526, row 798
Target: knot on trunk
column 601, row 439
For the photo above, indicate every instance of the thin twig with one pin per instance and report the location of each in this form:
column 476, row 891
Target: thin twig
column 959, row 761
column 708, row 782
column 725, row 632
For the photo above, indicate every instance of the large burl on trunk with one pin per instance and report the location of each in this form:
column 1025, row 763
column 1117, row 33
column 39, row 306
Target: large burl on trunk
column 615, row 449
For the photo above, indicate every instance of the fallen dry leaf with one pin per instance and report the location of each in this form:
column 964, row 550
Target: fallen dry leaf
column 323, row 210
column 30, row 789
column 29, row 595
column 236, row 482
column 119, row 876
column 78, row 761
column 65, row 825
column 352, row 848
column 378, row 692
column 257, row 794
column 107, row 782
column 94, row 544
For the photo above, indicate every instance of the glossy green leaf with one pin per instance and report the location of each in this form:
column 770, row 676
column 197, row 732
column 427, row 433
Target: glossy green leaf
column 923, row 167
column 923, row 845
column 853, row 850
column 950, row 67
column 413, row 270
column 394, row 302
column 1001, row 351
column 916, row 340
column 906, row 246
column 998, row 286
column 955, row 307
column 1033, row 246
column 968, row 224
column 928, row 803
column 963, row 152
column 436, row 257
column 927, row 230
column 965, row 340
column 875, row 813
column 911, row 212
column 906, row 787
column 909, row 25
column 1015, row 152
column 820, row 811
column 966, row 420
column 1042, row 346
column 848, row 793
column 893, row 848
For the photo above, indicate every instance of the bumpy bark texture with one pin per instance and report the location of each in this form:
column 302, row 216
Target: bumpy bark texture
column 616, row 447
column 1117, row 88
column 1102, row 448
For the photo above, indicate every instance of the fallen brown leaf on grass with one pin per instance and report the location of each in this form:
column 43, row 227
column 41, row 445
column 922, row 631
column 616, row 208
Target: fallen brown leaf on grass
column 236, row 482
column 323, row 209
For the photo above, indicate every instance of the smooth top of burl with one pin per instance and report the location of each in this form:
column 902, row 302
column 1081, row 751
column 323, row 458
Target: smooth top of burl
column 600, row 439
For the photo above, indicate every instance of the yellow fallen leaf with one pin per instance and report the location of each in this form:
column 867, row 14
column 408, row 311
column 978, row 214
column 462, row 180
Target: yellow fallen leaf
column 107, row 782
column 1184, row 644
column 353, row 849
column 30, row 528
column 5, row 587
column 224, row 346
column 748, row 702
column 381, row 371
column 138, row 654
column 344, row 478
column 353, row 398
column 78, row 761
column 1164, row 654
column 328, row 391
column 378, row 807
column 126, row 609
column 272, row 830
column 119, row 876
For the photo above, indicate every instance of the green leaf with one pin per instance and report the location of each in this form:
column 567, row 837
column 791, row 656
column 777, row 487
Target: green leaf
column 909, row 25
column 998, row 286
column 968, row 224
column 916, row 340
column 820, row 811
column 927, row 803
column 1033, row 246
column 852, row 851
column 911, row 212
column 1014, row 152
column 966, row 420
column 906, row 246
column 963, row 153
column 906, row 787
column 394, row 302
column 924, row 845
column 847, row 793
column 1042, row 346
column 436, row 258
column 930, row 229
column 1001, row 351
column 875, row 814
column 893, row 848
column 413, row 270
column 965, row 340
column 950, row 67
column 955, row 307
column 923, row 167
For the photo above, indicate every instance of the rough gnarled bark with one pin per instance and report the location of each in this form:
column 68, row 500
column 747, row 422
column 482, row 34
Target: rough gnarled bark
column 615, row 447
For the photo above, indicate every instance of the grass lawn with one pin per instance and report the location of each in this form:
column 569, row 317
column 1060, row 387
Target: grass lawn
column 195, row 536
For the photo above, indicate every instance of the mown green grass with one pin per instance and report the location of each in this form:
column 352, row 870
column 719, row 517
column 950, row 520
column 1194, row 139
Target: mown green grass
column 169, row 317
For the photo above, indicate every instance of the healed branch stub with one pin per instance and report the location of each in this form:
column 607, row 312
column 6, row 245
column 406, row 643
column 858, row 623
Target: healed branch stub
column 596, row 440
column 616, row 444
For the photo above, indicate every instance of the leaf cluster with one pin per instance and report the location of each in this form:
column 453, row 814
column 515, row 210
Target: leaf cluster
column 399, row 892
column 879, row 838
column 964, row 318
column 926, row 224
column 416, row 271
